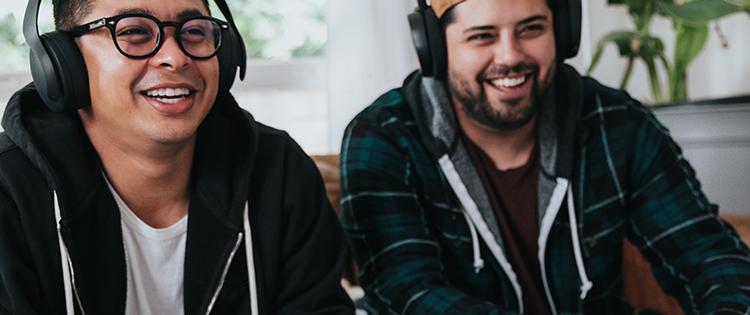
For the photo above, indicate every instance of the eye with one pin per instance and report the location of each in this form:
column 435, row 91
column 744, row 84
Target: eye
column 481, row 37
column 133, row 31
column 194, row 31
column 532, row 30
column 135, row 35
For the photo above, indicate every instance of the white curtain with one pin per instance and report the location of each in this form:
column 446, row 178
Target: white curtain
column 369, row 52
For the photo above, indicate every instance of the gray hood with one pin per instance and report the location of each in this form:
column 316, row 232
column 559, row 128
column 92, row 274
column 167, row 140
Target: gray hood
column 430, row 103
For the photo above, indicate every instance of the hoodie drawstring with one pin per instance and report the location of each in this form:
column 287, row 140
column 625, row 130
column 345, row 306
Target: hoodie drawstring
column 69, row 275
column 586, row 284
column 478, row 262
column 250, row 258
column 67, row 268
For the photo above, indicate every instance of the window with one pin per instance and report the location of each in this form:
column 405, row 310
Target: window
column 285, row 86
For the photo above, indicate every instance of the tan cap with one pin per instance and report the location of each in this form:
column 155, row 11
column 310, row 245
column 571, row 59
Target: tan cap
column 440, row 6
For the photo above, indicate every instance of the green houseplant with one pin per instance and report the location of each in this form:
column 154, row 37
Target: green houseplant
column 690, row 20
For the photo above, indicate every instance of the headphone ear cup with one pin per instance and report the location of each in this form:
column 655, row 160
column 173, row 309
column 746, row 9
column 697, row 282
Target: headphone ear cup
column 421, row 41
column 429, row 41
column 575, row 17
column 567, row 27
column 229, row 55
column 438, row 49
column 59, row 73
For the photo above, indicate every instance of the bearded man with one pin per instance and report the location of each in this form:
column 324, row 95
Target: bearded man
column 499, row 180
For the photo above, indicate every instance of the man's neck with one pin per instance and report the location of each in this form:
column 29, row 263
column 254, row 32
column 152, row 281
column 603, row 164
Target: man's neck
column 507, row 149
column 151, row 178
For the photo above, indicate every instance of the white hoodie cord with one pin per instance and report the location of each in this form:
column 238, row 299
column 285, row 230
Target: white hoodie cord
column 64, row 260
column 478, row 262
column 249, row 257
column 585, row 282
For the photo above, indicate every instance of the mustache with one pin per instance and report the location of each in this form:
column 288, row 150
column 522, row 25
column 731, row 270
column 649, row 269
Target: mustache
column 504, row 70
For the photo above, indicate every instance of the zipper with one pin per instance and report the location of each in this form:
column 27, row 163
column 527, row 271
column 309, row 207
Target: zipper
column 558, row 194
column 224, row 274
column 71, row 270
column 471, row 209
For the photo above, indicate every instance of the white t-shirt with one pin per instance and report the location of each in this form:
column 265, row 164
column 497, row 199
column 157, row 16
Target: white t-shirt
column 154, row 260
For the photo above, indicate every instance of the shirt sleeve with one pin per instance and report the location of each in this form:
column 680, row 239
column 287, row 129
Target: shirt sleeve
column 696, row 256
column 312, row 246
column 19, row 293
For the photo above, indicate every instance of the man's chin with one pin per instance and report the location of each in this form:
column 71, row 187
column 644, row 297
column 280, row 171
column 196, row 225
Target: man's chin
column 508, row 115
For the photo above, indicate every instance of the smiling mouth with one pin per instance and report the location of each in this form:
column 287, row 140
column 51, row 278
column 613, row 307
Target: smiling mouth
column 511, row 81
column 168, row 95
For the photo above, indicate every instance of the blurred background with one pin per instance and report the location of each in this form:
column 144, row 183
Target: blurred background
column 314, row 64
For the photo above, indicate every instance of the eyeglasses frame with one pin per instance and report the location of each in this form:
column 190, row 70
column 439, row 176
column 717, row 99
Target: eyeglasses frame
column 111, row 22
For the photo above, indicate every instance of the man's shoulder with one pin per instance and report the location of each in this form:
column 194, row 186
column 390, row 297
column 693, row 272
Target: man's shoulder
column 11, row 156
column 277, row 149
column 6, row 144
column 391, row 107
column 17, row 172
column 603, row 103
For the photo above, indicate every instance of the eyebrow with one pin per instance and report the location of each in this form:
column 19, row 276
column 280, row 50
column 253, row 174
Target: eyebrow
column 533, row 18
column 183, row 15
column 188, row 14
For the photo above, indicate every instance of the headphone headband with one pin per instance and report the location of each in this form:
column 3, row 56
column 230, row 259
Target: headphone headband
column 222, row 4
column 31, row 30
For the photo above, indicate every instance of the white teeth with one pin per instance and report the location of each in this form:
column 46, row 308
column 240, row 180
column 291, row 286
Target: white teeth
column 169, row 92
column 169, row 100
column 509, row 82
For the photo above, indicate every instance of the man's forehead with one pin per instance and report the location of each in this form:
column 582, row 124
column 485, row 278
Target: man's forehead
column 442, row 6
column 470, row 13
column 181, row 15
column 176, row 8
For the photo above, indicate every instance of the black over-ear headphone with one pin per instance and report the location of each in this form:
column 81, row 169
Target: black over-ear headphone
column 59, row 71
column 429, row 37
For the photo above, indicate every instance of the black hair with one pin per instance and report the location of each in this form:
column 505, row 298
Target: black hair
column 68, row 13
column 447, row 18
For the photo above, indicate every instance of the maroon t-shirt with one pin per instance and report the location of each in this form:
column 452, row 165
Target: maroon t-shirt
column 513, row 195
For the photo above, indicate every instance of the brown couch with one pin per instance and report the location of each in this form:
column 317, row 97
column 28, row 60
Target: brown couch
column 640, row 286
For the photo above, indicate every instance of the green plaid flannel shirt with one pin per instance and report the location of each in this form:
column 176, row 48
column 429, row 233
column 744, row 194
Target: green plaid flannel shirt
column 413, row 245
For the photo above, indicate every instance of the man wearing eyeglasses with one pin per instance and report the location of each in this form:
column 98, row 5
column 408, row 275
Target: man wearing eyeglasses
column 162, row 196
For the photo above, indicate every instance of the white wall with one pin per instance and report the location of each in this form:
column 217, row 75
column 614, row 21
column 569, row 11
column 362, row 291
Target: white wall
column 369, row 52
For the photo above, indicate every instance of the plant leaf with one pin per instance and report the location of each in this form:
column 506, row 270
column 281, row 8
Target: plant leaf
column 699, row 12
column 743, row 4
column 650, row 47
column 688, row 44
column 653, row 75
column 621, row 39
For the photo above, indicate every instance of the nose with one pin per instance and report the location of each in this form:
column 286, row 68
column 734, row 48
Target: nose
column 170, row 56
column 508, row 50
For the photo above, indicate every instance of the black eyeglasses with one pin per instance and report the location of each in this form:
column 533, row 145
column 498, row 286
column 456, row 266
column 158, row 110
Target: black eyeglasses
column 140, row 36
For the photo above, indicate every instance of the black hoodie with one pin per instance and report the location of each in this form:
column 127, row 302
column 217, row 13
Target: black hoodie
column 296, row 241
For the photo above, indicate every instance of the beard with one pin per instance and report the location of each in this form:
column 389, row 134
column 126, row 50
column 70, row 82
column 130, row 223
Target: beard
column 510, row 114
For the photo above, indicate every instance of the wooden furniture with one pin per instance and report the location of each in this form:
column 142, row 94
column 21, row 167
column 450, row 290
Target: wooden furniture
column 639, row 284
